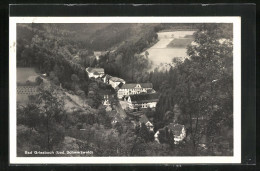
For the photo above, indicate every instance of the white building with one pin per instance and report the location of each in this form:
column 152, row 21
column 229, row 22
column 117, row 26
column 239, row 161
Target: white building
column 147, row 123
column 177, row 129
column 136, row 88
column 95, row 72
column 142, row 100
column 115, row 81
column 106, row 101
column 97, row 54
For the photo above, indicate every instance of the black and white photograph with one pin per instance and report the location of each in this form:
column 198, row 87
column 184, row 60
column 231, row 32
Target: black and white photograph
column 144, row 88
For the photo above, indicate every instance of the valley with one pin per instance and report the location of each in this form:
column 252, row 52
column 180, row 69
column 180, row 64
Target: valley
column 115, row 89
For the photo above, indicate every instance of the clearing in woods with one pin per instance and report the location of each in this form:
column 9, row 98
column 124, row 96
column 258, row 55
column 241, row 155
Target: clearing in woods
column 161, row 53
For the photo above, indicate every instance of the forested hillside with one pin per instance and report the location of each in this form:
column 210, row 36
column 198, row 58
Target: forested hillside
column 201, row 88
column 48, row 45
column 68, row 100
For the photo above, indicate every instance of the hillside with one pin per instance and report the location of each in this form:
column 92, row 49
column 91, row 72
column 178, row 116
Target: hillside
column 101, row 36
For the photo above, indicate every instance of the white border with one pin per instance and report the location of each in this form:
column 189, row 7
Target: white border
column 126, row 160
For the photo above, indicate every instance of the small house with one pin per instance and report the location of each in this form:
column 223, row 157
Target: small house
column 115, row 81
column 108, row 99
column 145, row 120
column 95, row 72
column 106, row 78
column 177, row 129
column 97, row 54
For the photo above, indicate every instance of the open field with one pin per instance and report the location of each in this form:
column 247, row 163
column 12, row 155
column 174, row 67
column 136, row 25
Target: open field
column 161, row 53
column 24, row 73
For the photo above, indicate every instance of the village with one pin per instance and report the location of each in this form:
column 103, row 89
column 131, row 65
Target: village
column 133, row 100
column 130, row 100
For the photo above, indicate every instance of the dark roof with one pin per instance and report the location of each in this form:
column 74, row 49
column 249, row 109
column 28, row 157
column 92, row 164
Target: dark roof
column 133, row 85
column 96, row 73
column 151, row 91
column 120, row 85
column 176, row 128
column 144, row 97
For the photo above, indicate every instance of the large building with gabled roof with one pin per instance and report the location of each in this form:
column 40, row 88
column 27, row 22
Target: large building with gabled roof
column 134, row 88
column 142, row 100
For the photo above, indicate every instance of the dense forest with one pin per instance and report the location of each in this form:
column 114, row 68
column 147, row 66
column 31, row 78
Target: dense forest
column 200, row 87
